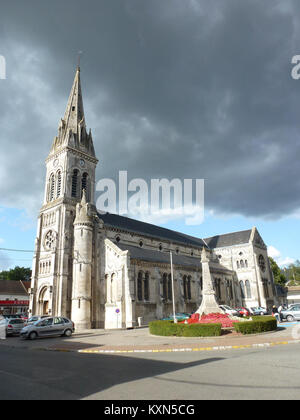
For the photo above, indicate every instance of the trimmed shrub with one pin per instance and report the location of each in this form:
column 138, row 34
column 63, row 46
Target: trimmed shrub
column 259, row 324
column 168, row 328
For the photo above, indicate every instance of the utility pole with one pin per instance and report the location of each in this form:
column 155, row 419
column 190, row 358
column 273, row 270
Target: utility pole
column 173, row 291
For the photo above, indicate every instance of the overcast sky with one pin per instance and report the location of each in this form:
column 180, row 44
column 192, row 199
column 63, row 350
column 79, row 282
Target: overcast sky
column 172, row 88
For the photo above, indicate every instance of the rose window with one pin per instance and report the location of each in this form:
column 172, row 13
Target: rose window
column 50, row 240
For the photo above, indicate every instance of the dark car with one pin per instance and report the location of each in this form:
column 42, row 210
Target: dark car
column 49, row 327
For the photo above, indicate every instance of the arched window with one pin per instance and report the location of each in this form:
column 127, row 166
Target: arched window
column 184, row 287
column 238, row 264
column 58, row 185
column 140, row 286
column 146, row 287
column 248, row 289
column 189, row 288
column 165, row 286
column 218, row 289
column 242, row 286
column 75, row 183
column 246, row 263
column 51, row 187
column 170, row 297
column 242, row 264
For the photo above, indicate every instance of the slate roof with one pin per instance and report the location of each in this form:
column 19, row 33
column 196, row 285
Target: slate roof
column 14, row 288
column 147, row 229
column 229, row 239
column 160, row 257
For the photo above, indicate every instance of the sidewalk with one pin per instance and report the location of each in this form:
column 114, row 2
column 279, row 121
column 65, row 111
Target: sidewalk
column 139, row 340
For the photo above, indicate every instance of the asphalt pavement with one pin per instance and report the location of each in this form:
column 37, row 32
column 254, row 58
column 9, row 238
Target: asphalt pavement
column 268, row 373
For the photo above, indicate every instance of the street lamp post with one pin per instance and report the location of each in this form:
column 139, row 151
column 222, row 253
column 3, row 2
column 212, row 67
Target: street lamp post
column 173, row 291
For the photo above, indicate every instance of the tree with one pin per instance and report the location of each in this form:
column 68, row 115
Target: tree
column 294, row 273
column 17, row 273
column 279, row 277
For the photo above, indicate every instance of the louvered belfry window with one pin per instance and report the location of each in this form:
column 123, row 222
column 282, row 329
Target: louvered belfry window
column 58, row 190
column 52, row 187
column 74, row 183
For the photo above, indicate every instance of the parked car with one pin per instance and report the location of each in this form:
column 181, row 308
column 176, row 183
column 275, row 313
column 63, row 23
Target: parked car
column 180, row 316
column 12, row 316
column 2, row 328
column 243, row 311
column 230, row 311
column 48, row 327
column 258, row 311
column 14, row 326
column 36, row 318
column 291, row 314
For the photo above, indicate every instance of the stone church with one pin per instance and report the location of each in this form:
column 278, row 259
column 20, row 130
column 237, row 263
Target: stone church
column 105, row 270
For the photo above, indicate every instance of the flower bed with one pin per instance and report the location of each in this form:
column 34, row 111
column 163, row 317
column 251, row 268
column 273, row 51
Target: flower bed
column 222, row 319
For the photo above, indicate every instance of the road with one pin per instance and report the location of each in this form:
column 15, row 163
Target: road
column 271, row 373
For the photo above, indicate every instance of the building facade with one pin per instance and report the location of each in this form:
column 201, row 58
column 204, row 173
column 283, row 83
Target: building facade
column 105, row 270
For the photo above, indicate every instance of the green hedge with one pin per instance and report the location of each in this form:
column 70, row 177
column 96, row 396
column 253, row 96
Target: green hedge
column 259, row 324
column 168, row 328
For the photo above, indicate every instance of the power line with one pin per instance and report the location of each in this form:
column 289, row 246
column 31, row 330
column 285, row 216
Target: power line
column 16, row 250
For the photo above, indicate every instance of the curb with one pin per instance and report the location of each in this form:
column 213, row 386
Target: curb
column 215, row 348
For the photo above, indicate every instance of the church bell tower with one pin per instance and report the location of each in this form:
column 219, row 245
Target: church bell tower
column 70, row 170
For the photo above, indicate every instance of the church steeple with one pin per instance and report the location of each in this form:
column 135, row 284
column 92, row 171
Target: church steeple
column 72, row 128
column 74, row 114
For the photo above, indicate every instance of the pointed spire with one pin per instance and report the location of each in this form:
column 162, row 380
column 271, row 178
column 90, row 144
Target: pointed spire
column 74, row 114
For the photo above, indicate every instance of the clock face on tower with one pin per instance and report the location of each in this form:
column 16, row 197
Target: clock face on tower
column 82, row 163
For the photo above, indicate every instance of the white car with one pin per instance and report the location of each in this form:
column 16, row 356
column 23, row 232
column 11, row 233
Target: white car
column 2, row 328
column 229, row 311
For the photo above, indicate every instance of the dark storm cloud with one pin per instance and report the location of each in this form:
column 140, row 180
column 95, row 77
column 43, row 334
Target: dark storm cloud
column 172, row 88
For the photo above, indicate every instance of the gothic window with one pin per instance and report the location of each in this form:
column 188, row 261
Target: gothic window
column 165, row 286
column 262, row 263
column 218, row 289
column 141, row 244
column 242, row 264
column 184, row 287
column 75, row 183
column 169, row 287
column 248, row 289
column 58, row 189
column 189, row 288
column 238, row 264
column 201, row 283
column 146, row 287
column 51, row 187
column 242, row 286
column 246, row 263
column 140, row 286
column 266, row 288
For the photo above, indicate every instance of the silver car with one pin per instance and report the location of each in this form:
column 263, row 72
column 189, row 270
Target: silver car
column 14, row 326
column 291, row 314
column 48, row 327
column 34, row 319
